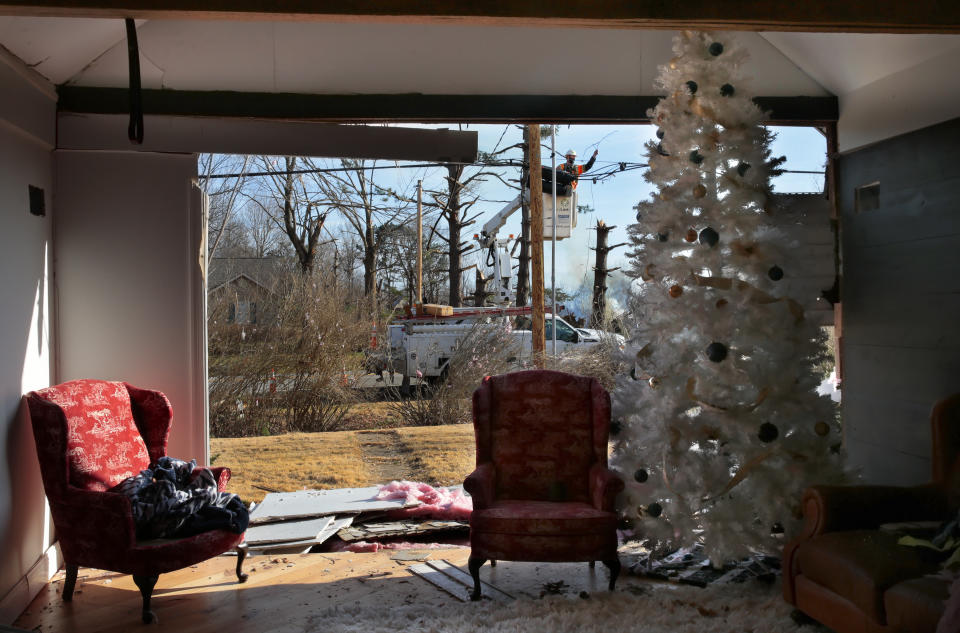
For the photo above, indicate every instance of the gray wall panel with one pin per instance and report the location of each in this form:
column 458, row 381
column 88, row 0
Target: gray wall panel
column 901, row 299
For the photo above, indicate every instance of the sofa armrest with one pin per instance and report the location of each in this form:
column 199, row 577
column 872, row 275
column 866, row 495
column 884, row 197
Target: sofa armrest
column 837, row 508
column 221, row 474
column 840, row 508
column 605, row 485
column 479, row 484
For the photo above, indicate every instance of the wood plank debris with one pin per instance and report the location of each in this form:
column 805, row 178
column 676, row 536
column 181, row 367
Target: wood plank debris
column 374, row 531
column 302, row 504
column 455, row 581
column 441, row 580
column 466, row 579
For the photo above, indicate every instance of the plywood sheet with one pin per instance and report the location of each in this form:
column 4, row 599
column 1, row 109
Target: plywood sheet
column 286, row 531
column 283, row 506
column 335, row 526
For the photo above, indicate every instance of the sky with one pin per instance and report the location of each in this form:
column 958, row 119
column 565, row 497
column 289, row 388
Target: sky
column 612, row 199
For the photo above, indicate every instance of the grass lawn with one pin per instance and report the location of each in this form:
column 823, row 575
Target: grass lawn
column 442, row 455
column 433, row 454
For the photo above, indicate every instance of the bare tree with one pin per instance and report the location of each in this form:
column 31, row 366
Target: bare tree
column 455, row 205
column 223, row 229
column 295, row 206
column 354, row 193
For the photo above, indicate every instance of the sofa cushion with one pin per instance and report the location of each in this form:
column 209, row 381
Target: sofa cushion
column 542, row 518
column 916, row 605
column 861, row 565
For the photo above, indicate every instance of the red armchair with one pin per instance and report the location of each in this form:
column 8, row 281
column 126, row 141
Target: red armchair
column 91, row 435
column 541, row 490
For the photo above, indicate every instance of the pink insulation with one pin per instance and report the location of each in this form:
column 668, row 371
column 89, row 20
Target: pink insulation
column 435, row 503
column 367, row 546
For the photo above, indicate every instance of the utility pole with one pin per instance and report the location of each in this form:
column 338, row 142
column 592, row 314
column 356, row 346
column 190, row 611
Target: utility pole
column 600, row 273
column 523, row 267
column 419, row 246
column 536, row 244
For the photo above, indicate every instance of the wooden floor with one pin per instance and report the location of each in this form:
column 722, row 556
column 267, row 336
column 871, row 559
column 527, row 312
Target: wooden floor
column 283, row 592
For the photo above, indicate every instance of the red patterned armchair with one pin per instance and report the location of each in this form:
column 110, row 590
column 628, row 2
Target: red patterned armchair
column 541, row 490
column 91, row 435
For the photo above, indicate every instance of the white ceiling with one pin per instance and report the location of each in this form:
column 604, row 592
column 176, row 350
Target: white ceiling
column 343, row 58
column 885, row 83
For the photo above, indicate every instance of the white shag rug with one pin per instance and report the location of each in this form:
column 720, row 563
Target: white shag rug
column 751, row 607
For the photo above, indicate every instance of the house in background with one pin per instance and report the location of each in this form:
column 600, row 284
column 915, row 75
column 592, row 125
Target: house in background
column 101, row 238
column 240, row 288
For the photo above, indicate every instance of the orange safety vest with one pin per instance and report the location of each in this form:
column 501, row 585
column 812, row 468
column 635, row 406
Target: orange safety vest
column 575, row 170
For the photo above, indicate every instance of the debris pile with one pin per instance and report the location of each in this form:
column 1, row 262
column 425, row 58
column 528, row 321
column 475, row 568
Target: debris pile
column 690, row 566
column 357, row 519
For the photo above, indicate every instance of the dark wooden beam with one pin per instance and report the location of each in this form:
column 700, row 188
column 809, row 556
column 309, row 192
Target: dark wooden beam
column 919, row 16
column 414, row 107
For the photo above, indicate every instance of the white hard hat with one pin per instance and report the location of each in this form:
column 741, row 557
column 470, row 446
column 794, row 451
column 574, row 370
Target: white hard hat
column 570, row 152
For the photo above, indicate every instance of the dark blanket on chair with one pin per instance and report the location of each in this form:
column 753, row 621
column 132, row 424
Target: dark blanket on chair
column 174, row 498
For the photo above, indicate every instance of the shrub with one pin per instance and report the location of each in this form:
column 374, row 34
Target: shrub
column 288, row 372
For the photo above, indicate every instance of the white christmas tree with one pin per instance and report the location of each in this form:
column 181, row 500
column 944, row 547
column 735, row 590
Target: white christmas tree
column 719, row 428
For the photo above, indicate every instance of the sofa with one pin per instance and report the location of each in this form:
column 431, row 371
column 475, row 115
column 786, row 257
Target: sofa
column 846, row 568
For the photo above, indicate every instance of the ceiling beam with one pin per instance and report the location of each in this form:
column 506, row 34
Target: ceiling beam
column 184, row 134
column 918, row 16
column 414, row 108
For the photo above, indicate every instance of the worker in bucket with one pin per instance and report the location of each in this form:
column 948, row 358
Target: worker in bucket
column 571, row 167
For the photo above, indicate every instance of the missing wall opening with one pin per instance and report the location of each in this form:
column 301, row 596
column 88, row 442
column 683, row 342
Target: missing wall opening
column 38, row 205
column 868, row 197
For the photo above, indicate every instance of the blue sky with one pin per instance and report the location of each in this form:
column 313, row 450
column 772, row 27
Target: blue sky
column 613, row 199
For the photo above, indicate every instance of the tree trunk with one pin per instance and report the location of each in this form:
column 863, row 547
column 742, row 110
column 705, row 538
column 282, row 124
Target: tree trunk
column 369, row 261
column 600, row 273
column 480, row 294
column 599, row 304
column 454, row 225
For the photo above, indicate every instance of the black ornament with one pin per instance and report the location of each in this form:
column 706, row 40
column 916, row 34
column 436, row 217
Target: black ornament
column 726, row 90
column 696, row 157
column 776, row 528
column 639, row 217
column 775, row 273
column 768, row 432
column 716, row 352
column 615, row 427
column 624, row 524
column 716, row 48
column 709, row 237
column 660, row 134
column 641, row 476
column 692, row 85
column 654, row 510
column 662, row 237
column 742, row 169
column 633, row 373
column 661, row 151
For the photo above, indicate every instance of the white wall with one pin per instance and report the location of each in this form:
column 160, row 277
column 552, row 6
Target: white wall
column 130, row 302
column 26, row 134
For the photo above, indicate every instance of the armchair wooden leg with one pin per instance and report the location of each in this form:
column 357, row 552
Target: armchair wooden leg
column 241, row 555
column 146, row 585
column 614, row 566
column 474, row 564
column 70, row 582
